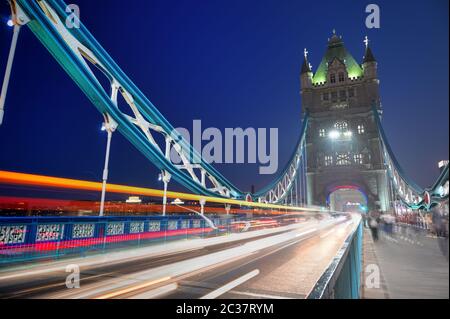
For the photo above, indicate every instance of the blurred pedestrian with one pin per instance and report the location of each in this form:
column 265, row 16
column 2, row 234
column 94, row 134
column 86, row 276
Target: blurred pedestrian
column 373, row 224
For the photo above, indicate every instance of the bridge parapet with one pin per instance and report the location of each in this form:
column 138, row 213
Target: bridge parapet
column 342, row 278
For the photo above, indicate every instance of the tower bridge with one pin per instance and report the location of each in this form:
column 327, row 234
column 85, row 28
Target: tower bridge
column 342, row 158
column 343, row 144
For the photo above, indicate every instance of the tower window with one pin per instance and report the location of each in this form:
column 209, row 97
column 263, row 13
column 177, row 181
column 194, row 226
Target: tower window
column 360, row 129
column 341, row 76
column 326, row 96
column 358, row 158
column 351, row 92
column 328, row 160
column 343, row 159
column 342, row 95
column 322, row 132
column 334, row 96
column 332, row 78
column 341, row 125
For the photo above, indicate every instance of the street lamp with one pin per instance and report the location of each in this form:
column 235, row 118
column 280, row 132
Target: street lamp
column 12, row 51
column 110, row 126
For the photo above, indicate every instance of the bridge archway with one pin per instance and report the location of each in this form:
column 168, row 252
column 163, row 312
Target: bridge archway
column 347, row 198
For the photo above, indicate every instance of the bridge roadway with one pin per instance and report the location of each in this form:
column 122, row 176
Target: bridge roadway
column 274, row 263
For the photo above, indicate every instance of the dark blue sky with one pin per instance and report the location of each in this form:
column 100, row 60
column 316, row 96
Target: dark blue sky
column 230, row 64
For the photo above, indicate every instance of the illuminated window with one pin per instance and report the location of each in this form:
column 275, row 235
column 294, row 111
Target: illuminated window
column 322, row 132
column 342, row 95
column 333, row 78
column 360, row 129
column 328, row 160
column 341, row 125
column 341, row 76
column 343, row 159
column 326, row 96
column 358, row 158
column 351, row 92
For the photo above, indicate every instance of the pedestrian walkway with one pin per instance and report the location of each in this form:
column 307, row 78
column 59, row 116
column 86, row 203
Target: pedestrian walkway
column 412, row 264
column 371, row 289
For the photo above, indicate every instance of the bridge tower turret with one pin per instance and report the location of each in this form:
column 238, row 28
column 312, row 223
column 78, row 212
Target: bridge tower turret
column 306, row 73
column 342, row 142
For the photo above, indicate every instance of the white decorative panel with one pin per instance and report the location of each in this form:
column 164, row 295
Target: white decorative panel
column 49, row 232
column 154, row 226
column 172, row 225
column 12, row 234
column 82, row 231
column 136, row 227
column 184, row 224
column 115, row 229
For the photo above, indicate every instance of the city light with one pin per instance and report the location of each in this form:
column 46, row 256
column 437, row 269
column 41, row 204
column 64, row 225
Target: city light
column 334, row 134
column 10, row 23
column 348, row 134
column 103, row 127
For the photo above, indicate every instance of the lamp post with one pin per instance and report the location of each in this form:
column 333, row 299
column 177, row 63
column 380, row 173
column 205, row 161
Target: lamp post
column 165, row 177
column 109, row 126
column 12, row 51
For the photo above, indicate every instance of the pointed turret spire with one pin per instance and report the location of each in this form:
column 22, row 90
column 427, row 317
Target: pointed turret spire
column 306, row 67
column 368, row 55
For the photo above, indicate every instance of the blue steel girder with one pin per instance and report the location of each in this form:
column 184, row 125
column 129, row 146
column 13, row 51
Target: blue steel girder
column 409, row 192
column 76, row 50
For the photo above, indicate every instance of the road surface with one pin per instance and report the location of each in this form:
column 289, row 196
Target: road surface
column 283, row 264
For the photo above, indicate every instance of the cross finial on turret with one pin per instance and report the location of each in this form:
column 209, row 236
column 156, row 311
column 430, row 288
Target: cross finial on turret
column 305, row 53
column 366, row 41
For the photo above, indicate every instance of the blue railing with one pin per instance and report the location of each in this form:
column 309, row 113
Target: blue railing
column 30, row 238
column 342, row 278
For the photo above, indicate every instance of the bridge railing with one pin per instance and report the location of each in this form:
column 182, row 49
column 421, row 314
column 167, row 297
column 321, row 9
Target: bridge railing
column 32, row 238
column 342, row 278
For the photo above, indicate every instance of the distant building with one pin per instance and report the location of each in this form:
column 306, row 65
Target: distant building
column 133, row 200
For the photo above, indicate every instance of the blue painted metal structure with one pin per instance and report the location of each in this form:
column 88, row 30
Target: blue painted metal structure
column 409, row 192
column 30, row 238
column 342, row 278
column 75, row 49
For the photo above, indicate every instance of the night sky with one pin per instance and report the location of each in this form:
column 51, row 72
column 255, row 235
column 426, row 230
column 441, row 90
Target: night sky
column 230, row 64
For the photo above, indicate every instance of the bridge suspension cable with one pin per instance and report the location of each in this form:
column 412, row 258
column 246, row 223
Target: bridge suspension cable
column 409, row 193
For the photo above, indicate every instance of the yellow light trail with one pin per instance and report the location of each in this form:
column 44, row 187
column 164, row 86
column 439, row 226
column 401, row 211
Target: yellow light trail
column 7, row 177
column 131, row 289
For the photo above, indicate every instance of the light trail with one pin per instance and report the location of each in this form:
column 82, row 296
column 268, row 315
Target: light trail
column 134, row 288
column 14, row 178
column 158, row 292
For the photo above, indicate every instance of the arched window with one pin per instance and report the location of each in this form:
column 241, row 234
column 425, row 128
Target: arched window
column 360, row 129
column 328, row 160
column 358, row 158
column 341, row 77
column 341, row 125
column 343, row 159
column 332, row 78
column 322, row 132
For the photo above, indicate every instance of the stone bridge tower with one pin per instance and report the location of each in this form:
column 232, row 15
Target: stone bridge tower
column 342, row 141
